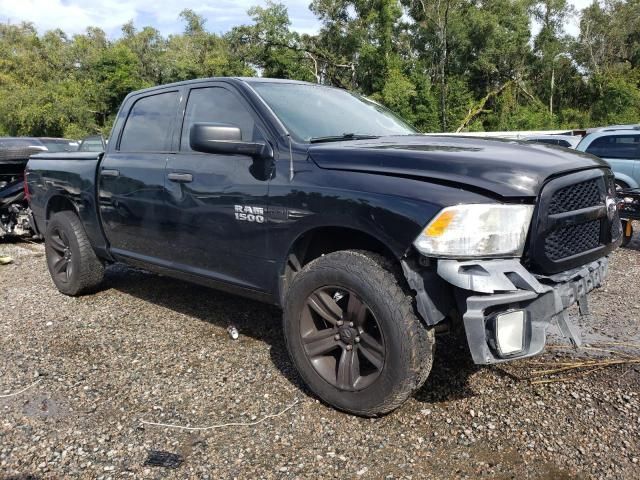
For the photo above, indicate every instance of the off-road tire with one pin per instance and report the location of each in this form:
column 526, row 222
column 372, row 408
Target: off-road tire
column 620, row 185
column 87, row 270
column 409, row 344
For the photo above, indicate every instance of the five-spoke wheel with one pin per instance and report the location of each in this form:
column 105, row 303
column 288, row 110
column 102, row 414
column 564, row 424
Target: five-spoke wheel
column 342, row 338
column 60, row 256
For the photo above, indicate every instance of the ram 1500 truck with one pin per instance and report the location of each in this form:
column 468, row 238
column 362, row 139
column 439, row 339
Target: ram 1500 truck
column 368, row 234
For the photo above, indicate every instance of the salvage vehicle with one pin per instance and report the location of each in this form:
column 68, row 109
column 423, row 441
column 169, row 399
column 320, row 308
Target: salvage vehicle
column 15, row 216
column 368, row 234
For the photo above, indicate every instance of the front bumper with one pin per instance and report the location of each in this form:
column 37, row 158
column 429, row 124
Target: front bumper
column 494, row 287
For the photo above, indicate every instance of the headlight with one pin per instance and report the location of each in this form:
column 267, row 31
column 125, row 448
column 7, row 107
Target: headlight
column 477, row 230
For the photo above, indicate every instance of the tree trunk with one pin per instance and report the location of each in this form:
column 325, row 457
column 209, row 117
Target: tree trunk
column 444, row 60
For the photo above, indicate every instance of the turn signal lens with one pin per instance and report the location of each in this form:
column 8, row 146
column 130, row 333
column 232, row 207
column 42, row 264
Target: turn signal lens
column 438, row 226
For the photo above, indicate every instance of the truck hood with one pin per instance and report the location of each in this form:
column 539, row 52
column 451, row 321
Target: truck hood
column 505, row 168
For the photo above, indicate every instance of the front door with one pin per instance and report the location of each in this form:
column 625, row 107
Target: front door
column 132, row 177
column 217, row 202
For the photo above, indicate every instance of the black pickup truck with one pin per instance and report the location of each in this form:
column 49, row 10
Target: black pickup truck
column 368, row 234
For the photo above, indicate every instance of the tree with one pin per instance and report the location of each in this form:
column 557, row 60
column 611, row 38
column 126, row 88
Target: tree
column 442, row 64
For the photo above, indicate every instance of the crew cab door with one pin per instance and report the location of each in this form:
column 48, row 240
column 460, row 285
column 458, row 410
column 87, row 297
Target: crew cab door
column 217, row 202
column 131, row 178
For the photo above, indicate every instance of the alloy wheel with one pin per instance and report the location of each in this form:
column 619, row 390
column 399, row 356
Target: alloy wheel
column 61, row 256
column 342, row 338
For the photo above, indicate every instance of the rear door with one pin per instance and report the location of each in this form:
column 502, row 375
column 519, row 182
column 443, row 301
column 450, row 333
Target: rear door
column 132, row 177
column 217, row 202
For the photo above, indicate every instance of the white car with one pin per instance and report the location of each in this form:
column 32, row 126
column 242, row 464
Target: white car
column 568, row 141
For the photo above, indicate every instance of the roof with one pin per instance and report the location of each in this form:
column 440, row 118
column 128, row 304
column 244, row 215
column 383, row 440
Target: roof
column 613, row 128
column 248, row 80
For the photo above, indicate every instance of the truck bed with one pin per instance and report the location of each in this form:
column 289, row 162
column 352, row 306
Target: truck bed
column 66, row 177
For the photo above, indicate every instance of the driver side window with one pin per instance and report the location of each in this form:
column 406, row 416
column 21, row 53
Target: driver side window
column 217, row 105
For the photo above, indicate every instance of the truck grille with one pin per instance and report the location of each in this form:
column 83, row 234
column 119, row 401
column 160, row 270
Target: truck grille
column 574, row 197
column 569, row 241
column 575, row 222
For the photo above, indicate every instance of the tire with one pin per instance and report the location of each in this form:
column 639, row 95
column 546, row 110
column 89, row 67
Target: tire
column 627, row 232
column 389, row 348
column 620, row 185
column 74, row 267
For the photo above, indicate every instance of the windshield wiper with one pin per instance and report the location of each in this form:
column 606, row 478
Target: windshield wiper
column 344, row 136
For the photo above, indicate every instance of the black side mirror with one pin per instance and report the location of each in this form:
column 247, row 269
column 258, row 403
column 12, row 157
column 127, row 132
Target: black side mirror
column 224, row 138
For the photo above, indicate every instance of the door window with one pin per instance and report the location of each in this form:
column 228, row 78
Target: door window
column 148, row 127
column 616, row 146
column 218, row 105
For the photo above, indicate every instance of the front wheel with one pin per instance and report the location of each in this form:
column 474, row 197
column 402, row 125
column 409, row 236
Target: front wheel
column 353, row 335
column 620, row 185
column 74, row 267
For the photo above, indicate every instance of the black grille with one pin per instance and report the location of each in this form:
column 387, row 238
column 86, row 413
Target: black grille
column 574, row 223
column 568, row 241
column 574, row 197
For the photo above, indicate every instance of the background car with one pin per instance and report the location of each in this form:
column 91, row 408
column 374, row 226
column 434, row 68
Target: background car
column 568, row 141
column 92, row 143
column 59, row 144
column 620, row 147
column 611, row 128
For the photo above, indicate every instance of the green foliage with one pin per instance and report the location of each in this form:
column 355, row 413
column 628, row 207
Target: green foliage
column 441, row 64
column 617, row 97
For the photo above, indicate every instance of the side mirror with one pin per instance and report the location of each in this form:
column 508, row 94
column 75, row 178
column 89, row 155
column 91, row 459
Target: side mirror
column 225, row 138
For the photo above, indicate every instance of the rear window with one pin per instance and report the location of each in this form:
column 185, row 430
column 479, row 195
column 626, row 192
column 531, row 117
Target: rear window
column 616, row 146
column 148, row 127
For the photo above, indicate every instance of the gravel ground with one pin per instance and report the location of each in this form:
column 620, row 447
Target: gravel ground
column 149, row 348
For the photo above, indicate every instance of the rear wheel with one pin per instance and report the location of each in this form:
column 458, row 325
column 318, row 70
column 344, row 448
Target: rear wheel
column 74, row 267
column 353, row 335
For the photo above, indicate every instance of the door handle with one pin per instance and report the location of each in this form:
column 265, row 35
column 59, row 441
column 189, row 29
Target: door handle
column 181, row 177
column 110, row 173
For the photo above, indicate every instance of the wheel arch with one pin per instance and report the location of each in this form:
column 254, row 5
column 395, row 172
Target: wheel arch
column 629, row 181
column 59, row 203
column 321, row 240
column 90, row 222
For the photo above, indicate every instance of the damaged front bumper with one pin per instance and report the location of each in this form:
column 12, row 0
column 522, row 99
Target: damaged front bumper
column 508, row 305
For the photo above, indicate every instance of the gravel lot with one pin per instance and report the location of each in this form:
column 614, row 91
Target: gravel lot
column 148, row 348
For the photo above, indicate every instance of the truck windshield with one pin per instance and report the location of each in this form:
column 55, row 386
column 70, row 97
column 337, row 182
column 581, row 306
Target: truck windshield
column 317, row 113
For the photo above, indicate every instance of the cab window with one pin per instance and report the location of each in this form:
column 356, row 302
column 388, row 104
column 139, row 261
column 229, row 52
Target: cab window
column 218, row 105
column 149, row 124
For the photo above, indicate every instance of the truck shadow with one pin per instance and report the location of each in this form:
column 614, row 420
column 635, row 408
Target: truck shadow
column 259, row 321
column 452, row 364
column 452, row 369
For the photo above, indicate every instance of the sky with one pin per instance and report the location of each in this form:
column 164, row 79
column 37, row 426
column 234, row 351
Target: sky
column 74, row 16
